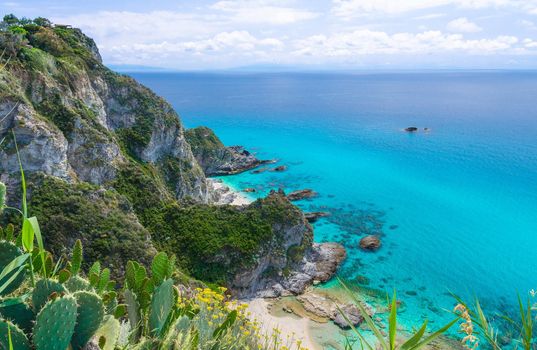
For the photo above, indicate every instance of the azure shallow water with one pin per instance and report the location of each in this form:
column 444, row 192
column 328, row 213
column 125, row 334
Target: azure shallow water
column 456, row 206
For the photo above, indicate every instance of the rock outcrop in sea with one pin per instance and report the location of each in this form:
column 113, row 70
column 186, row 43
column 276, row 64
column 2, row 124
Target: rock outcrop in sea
column 217, row 159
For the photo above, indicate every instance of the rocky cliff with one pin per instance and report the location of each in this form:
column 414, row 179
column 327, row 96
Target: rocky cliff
column 217, row 159
column 78, row 121
column 108, row 162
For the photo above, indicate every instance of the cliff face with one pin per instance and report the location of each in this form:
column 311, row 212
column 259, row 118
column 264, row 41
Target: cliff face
column 108, row 163
column 77, row 120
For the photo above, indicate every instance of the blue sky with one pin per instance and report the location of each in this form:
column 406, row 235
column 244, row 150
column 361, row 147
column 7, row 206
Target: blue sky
column 339, row 34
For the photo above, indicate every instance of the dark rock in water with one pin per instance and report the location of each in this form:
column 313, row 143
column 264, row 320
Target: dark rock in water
column 393, row 227
column 249, row 189
column 314, row 216
column 363, row 280
column 411, row 292
column 260, row 170
column 301, row 194
column 280, row 168
column 411, row 129
column 370, row 243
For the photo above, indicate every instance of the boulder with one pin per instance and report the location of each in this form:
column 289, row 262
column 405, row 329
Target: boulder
column 249, row 190
column 370, row 243
column 301, row 194
column 352, row 313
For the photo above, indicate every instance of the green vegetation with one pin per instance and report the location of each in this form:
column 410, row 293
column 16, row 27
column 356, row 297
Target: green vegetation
column 215, row 241
column 48, row 305
column 101, row 219
column 203, row 139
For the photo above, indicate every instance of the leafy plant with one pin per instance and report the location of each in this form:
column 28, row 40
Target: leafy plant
column 416, row 341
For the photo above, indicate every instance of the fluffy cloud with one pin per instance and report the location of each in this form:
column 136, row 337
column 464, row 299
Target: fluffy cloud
column 354, row 8
column 366, row 42
column 463, row 25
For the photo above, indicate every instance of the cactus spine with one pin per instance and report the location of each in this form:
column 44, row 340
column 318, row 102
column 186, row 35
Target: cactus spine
column 90, row 315
column 18, row 339
column 43, row 290
column 161, row 305
column 55, row 324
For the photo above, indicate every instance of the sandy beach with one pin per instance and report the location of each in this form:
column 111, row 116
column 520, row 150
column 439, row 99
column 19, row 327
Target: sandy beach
column 228, row 195
column 291, row 326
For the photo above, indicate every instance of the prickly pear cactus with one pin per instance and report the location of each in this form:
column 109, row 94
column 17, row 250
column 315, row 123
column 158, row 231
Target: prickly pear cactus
column 133, row 313
column 77, row 283
column 18, row 339
column 55, row 324
column 161, row 306
column 108, row 334
column 90, row 315
column 8, row 252
column 43, row 290
column 19, row 313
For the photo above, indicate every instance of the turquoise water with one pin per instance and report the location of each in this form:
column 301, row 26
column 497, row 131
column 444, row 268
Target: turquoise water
column 456, row 207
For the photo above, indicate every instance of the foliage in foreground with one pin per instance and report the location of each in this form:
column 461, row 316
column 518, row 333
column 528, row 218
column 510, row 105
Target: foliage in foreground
column 48, row 305
column 414, row 342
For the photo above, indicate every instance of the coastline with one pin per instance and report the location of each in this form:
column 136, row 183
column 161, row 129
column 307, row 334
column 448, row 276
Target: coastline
column 292, row 328
column 228, row 194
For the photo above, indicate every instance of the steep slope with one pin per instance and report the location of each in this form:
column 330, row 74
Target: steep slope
column 108, row 163
column 79, row 121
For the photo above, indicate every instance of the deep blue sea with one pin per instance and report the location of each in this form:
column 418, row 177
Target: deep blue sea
column 456, row 206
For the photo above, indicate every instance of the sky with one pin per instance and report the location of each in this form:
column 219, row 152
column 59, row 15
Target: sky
column 302, row 34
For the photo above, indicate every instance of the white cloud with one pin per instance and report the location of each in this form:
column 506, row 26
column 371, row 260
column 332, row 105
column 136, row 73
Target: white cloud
column 463, row 25
column 366, row 42
column 263, row 12
column 354, row 8
column 236, row 41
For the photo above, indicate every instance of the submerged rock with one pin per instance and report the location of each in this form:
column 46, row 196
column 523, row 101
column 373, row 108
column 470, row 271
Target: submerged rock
column 249, row 190
column 260, row 170
column 370, row 243
column 316, row 215
column 301, row 194
column 280, row 168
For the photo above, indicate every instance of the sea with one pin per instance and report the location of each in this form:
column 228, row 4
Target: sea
column 454, row 203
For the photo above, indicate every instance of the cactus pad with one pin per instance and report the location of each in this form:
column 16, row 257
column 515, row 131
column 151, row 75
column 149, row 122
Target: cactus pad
column 55, row 324
column 108, row 333
column 42, row 291
column 90, row 315
column 8, row 252
column 161, row 306
column 19, row 313
column 77, row 283
column 18, row 339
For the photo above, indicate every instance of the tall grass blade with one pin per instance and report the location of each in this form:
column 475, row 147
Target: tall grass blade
column 369, row 321
column 393, row 321
column 357, row 332
column 435, row 335
column 414, row 340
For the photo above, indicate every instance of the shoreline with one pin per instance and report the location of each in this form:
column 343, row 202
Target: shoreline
column 228, row 194
column 292, row 327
